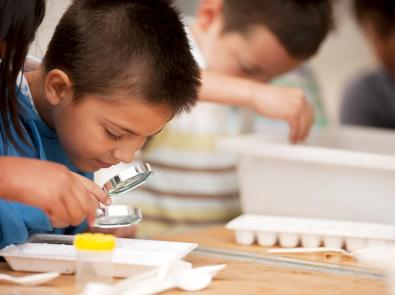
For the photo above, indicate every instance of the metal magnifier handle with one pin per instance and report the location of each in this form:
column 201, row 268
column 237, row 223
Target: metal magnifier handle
column 100, row 212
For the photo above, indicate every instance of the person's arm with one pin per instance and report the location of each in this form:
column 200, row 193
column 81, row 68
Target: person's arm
column 288, row 104
column 66, row 197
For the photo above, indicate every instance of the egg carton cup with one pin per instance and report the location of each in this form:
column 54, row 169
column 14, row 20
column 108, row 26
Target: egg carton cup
column 290, row 232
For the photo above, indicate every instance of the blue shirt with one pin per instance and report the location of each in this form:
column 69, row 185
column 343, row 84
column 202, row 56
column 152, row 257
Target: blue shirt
column 18, row 221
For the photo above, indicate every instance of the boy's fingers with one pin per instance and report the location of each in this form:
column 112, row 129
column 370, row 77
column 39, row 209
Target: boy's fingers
column 59, row 219
column 91, row 217
column 308, row 121
column 59, row 224
column 301, row 130
column 293, row 125
column 304, row 128
column 305, row 132
column 76, row 207
column 304, row 124
column 60, row 215
column 99, row 194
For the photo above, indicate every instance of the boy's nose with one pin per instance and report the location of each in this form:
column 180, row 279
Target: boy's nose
column 124, row 155
column 126, row 150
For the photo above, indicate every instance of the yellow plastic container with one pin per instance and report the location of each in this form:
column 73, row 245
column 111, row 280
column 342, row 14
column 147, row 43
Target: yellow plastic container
column 94, row 258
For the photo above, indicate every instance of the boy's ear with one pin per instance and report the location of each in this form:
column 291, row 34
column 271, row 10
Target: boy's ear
column 58, row 88
column 209, row 11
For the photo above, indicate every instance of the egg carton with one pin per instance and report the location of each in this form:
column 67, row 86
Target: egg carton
column 292, row 232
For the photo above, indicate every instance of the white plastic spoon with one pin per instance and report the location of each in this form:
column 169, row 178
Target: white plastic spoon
column 212, row 270
column 30, row 280
column 181, row 276
column 184, row 278
column 188, row 281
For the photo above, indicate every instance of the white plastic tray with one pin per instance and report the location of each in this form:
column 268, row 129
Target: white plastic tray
column 308, row 232
column 44, row 253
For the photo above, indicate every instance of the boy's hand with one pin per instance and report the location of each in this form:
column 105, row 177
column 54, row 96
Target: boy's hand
column 66, row 197
column 84, row 202
column 289, row 104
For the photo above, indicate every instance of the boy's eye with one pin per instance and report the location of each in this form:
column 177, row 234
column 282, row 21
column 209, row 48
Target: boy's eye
column 113, row 135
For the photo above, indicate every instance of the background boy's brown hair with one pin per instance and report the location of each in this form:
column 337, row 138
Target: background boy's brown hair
column 299, row 25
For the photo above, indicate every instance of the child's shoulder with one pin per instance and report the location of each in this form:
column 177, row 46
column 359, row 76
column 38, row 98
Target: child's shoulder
column 26, row 111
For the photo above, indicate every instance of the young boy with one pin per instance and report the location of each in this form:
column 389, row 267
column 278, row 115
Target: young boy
column 370, row 99
column 239, row 45
column 109, row 81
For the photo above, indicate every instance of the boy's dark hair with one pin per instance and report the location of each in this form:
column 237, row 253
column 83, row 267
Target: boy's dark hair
column 137, row 46
column 19, row 20
column 299, row 25
column 381, row 13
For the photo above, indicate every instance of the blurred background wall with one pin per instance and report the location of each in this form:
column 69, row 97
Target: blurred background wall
column 343, row 55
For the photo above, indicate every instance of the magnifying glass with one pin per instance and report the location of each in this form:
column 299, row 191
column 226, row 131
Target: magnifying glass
column 121, row 215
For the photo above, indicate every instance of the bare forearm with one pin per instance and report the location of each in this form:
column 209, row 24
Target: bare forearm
column 284, row 103
column 22, row 178
column 219, row 88
column 8, row 178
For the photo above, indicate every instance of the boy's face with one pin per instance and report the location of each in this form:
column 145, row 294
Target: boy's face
column 255, row 55
column 97, row 132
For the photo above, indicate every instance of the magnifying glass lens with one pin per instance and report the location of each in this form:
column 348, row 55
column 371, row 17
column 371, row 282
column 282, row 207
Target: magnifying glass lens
column 117, row 216
column 120, row 215
column 128, row 179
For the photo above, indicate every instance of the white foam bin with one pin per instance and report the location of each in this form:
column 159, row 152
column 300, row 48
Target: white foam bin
column 339, row 173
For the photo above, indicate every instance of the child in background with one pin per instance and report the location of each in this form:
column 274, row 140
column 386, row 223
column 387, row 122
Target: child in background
column 370, row 99
column 109, row 80
column 239, row 45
